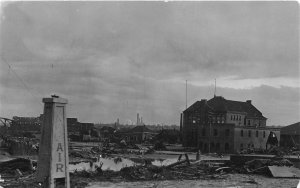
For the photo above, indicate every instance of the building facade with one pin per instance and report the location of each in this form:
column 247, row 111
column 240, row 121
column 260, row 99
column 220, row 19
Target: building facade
column 137, row 135
column 221, row 125
column 77, row 127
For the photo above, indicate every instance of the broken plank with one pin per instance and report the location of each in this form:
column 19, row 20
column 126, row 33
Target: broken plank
column 284, row 172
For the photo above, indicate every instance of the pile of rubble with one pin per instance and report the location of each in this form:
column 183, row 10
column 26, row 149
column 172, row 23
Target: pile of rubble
column 19, row 165
column 22, row 171
column 81, row 155
column 20, row 145
column 187, row 172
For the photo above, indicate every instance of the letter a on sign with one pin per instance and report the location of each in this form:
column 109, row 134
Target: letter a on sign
column 59, row 147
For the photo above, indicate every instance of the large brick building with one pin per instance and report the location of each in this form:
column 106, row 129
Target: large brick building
column 75, row 126
column 221, row 125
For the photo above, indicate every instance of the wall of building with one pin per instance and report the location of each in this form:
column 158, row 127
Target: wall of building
column 251, row 137
column 75, row 126
column 190, row 122
column 235, row 118
column 220, row 137
column 255, row 122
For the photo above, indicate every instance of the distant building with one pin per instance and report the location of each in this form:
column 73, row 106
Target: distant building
column 27, row 124
column 78, row 131
column 221, row 125
column 169, row 136
column 137, row 135
column 107, row 132
column 75, row 126
column 290, row 136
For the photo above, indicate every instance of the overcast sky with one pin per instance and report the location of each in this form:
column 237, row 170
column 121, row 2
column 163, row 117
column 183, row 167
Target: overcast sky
column 114, row 59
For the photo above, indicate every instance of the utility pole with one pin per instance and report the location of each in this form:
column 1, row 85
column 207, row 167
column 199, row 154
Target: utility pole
column 209, row 119
column 215, row 88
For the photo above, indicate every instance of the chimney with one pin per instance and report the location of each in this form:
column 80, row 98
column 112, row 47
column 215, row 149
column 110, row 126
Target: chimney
column 248, row 101
column 204, row 100
column 137, row 119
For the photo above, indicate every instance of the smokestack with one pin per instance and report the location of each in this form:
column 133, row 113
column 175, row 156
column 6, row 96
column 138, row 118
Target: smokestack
column 137, row 119
column 142, row 120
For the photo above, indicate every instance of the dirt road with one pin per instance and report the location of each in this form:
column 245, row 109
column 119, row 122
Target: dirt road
column 231, row 181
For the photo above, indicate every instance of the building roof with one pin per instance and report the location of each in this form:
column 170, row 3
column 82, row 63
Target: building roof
column 293, row 129
column 220, row 104
column 197, row 105
column 123, row 130
column 140, row 128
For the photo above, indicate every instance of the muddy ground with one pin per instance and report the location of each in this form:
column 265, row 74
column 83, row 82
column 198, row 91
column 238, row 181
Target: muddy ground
column 228, row 181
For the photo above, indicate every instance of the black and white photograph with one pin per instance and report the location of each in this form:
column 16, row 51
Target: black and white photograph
column 149, row 94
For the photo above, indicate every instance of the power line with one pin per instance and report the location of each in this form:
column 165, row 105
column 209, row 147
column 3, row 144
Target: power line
column 21, row 80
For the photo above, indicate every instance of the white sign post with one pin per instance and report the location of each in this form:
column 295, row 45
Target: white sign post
column 53, row 160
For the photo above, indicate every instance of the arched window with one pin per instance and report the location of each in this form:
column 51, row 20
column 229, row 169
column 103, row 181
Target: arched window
column 215, row 132
column 200, row 145
column 218, row 147
column 227, row 132
column 205, row 147
column 212, row 146
column 226, row 147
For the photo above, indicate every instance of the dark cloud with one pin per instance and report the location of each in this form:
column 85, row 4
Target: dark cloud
column 112, row 59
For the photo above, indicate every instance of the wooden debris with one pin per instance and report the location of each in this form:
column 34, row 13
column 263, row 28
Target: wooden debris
column 284, row 172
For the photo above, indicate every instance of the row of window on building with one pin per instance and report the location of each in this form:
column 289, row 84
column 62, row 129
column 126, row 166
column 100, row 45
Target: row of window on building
column 239, row 118
column 213, row 120
column 227, row 133
column 216, row 132
column 235, row 117
column 250, row 133
column 221, row 119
